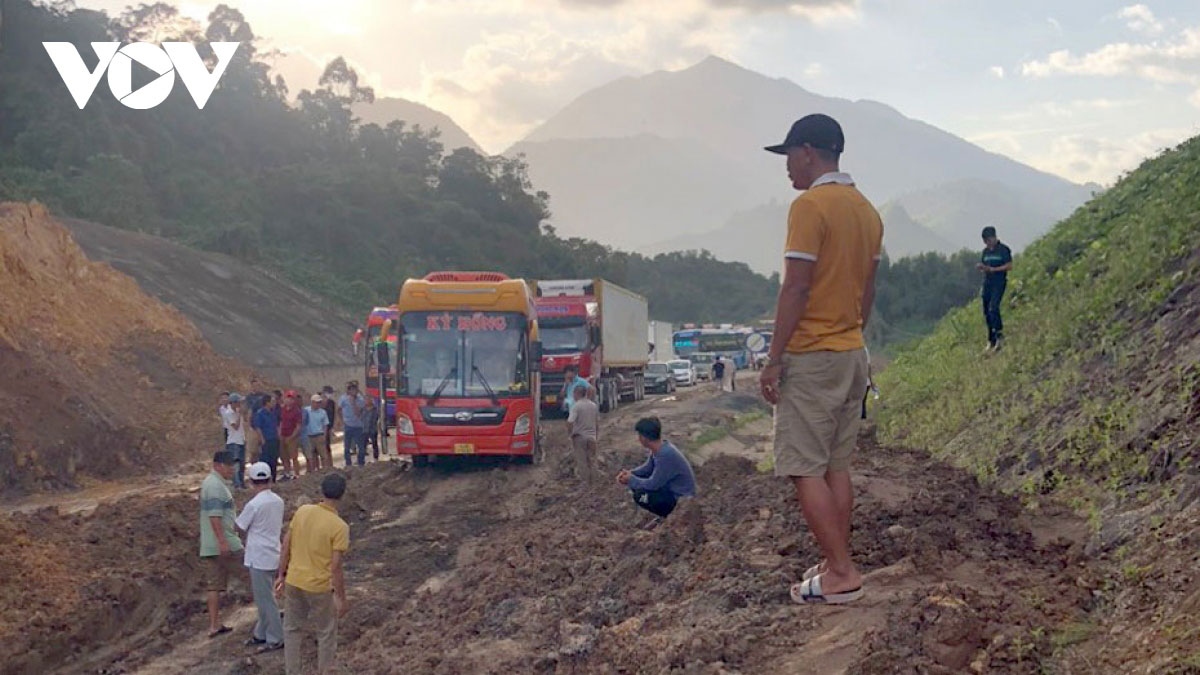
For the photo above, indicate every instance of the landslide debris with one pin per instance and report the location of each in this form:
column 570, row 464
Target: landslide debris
column 100, row 380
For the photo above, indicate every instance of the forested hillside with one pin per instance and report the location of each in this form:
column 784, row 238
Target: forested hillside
column 344, row 209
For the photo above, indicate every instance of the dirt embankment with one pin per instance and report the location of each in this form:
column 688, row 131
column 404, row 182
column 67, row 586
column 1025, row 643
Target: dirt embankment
column 100, row 380
column 516, row 569
column 290, row 335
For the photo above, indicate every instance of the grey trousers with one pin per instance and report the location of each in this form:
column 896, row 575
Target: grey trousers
column 309, row 612
column 269, row 626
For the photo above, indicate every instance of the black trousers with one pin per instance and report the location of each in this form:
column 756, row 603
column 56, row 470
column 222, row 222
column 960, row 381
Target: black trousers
column 660, row 502
column 373, row 441
column 270, row 455
column 993, row 293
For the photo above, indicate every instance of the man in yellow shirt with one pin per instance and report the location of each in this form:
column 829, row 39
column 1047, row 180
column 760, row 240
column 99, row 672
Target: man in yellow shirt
column 310, row 576
column 817, row 368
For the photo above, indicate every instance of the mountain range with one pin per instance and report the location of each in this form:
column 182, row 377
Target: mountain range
column 673, row 160
column 386, row 110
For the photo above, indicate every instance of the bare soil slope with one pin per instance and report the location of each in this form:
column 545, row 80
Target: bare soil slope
column 100, row 380
column 244, row 312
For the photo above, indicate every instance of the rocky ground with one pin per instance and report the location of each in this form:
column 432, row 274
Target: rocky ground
column 502, row 569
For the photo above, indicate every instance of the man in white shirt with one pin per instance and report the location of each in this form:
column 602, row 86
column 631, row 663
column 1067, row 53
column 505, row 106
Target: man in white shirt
column 262, row 521
column 235, row 436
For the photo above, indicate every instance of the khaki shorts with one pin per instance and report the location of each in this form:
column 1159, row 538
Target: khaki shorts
column 819, row 411
column 218, row 569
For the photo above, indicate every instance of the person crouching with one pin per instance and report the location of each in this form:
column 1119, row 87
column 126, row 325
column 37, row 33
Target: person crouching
column 664, row 478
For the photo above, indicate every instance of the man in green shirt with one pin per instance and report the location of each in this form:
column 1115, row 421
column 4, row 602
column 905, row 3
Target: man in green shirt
column 220, row 547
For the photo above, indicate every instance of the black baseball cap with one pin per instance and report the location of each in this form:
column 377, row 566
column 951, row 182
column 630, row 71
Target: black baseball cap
column 816, row 131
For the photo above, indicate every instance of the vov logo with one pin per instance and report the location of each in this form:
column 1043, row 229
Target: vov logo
column 171, row 58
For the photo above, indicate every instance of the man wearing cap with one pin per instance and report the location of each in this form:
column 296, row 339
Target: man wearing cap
column 220, row 548
column 316, row 423
column 291, row 419
column 235, row 436
column 995, row 263
column 262, row 521
column 310, row 576
column 817, row 365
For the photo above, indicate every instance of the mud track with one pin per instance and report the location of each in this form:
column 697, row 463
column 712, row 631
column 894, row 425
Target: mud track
column 477, row 568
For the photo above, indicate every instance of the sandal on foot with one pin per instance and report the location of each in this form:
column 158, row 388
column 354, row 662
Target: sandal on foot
column 270, row 647
column 812, row 572
column 220, row 631
column 809, row 592
column 254, row 642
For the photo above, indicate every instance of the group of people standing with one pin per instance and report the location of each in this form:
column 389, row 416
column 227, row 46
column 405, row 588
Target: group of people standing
column 276, row 428
column 302, row 567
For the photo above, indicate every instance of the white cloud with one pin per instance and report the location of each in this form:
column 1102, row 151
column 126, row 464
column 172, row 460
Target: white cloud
column 1055, row 24
column 1165, row 62
column 814, row 70
column 1194, row 99
column 1141, row 19
column 997, row 72
column 1079, row 157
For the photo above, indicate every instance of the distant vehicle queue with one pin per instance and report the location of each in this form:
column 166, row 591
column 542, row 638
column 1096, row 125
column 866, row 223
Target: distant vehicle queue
column 467, row 363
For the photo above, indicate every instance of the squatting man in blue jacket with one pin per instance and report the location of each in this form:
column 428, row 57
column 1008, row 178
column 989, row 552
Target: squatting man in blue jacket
column 664, row 478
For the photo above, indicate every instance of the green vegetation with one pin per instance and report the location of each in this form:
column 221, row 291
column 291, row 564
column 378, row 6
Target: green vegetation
column 716, row 433
column 913, row 293
column 1094, row 390
column 295, row 183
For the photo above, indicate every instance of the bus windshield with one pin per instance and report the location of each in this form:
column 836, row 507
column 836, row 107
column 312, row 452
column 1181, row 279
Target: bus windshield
column 463, row 354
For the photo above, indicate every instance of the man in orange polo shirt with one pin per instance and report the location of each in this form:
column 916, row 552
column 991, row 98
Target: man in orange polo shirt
column 817, row 367
column 311, row 579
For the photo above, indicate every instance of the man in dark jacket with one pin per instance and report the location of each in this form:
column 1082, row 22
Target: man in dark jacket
column 995, row 264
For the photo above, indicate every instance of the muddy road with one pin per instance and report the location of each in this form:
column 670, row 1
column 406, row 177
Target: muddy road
column 494, row 568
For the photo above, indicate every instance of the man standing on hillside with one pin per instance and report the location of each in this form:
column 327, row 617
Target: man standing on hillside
column 718, row 371
column 995, row 263
column 817, row 366
column 235, row 436
column 222, row 405
column 310, row 577
column 220, row 547
column 331, row 413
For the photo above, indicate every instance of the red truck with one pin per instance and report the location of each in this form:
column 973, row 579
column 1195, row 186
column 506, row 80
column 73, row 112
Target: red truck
column 599, row 327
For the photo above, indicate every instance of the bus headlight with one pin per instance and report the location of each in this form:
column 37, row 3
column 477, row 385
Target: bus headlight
column 522, row 426
column 404, row 426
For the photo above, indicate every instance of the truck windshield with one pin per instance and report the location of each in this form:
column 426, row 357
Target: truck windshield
column 563, row 336
column 463, row 354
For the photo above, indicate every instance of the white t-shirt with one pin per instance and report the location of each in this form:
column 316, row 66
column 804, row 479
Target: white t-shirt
column 229, row 416
column 262, row 520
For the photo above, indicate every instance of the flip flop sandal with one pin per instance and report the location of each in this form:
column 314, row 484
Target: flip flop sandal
column 254, row 642
column 269, row 647
column 220, row 631
column 809, row 592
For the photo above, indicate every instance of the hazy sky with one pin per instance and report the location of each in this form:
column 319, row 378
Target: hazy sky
column 1081, row 88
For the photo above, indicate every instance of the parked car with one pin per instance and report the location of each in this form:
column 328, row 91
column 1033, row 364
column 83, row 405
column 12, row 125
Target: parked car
column 684, row 371
column 703, row 362
column 659, row 378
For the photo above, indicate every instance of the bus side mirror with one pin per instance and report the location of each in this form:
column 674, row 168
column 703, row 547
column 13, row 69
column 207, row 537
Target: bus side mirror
column 382, row 357
column 535, row 356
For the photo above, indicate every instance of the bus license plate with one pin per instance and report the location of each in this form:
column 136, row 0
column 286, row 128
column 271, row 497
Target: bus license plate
column 464, row 448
